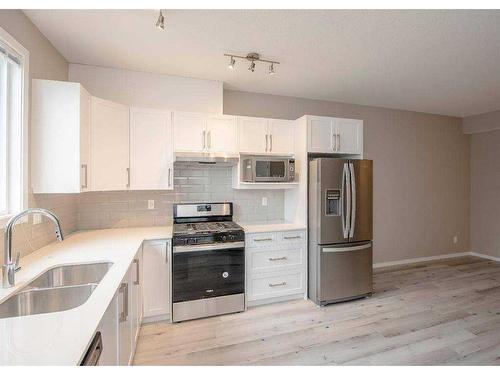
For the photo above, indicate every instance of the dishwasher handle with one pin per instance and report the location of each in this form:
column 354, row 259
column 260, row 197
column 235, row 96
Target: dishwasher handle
column 94, row 351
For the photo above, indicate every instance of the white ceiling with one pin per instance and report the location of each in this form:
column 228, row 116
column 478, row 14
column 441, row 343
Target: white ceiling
column 445, row 62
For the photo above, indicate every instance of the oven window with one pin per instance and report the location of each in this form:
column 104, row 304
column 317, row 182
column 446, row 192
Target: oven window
column 207, row 274
column 277, row 169
column 261, row 168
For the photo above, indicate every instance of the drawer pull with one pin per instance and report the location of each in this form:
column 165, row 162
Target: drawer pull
column 291, row 237
column 262, row 239
column 279, row 284
column 276, row 259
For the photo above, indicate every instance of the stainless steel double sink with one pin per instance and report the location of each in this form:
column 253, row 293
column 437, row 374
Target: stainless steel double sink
column 57, row 289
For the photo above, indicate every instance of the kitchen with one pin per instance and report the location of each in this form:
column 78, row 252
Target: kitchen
column 182, row 203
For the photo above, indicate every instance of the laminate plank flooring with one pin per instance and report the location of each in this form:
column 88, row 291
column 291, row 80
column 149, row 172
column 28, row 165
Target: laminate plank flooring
column 433, row 313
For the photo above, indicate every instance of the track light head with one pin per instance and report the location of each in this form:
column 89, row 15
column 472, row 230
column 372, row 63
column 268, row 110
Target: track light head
column 252, row 66
column 231, row 63
column 271, row 69
column 160, row 23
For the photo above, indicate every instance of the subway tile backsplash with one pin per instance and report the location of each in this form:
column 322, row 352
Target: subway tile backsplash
column 192, row 183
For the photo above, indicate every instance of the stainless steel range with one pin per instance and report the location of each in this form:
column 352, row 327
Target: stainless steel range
column 208, row 266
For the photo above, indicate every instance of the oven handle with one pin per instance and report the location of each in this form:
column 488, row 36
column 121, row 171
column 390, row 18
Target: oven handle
column 216, row 246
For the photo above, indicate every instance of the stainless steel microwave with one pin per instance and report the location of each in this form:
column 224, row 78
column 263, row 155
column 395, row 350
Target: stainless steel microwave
column 267, row 169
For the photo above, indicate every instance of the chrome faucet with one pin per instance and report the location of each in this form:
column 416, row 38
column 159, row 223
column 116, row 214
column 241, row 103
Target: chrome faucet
column 9, row 267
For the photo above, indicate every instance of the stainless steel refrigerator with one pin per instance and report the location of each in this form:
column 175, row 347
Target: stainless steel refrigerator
column 340, row 229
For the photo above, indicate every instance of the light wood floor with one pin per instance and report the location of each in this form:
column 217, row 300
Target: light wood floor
column 445, row 312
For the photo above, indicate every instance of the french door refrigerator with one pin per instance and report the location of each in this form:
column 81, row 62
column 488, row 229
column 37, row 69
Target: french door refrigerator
column 340, row 229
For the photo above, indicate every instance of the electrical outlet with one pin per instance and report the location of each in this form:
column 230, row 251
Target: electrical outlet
column 455, row 239
column 151, row 204
column 37, row 219
column 264, row 201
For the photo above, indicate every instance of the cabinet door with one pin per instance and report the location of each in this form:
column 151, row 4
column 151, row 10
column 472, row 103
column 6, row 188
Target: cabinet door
column 109, row 140
column 156, row 271
column 320, row 134
column 252, row 134
column 109, row 331
column 189, row 131
column 85, row 99
column 349, row 135
column 136, row 299
column 151, row 153
column 125, row 321
column 282, row 137
column 221, row 134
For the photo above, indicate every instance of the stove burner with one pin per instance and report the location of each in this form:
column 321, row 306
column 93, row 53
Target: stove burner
column 205, row 228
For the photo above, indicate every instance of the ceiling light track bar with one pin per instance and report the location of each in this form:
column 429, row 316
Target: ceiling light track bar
column 251, row 57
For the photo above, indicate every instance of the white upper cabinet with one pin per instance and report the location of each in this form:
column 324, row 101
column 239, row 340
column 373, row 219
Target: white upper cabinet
column 221, row 134
column 281, row 137
column 349, row 135
column 261, row 135
column 59, row 137
column 334, row 135
column 151, row 151
column 189, row 131
column 201, row 132
column 109, row 140
column 252, row 135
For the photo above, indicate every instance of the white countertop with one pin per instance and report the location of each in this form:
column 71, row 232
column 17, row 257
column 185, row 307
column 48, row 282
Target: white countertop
column 61, row 338
column 276, row 226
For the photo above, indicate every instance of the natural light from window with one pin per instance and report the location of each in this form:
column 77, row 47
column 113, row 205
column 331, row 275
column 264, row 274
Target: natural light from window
column 13, row 155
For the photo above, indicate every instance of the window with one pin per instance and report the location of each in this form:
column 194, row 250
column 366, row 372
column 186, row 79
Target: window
column 13, row 125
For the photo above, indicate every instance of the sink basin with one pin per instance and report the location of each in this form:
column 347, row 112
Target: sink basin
column 57, row 289
column 76, row 274
column 41, row 301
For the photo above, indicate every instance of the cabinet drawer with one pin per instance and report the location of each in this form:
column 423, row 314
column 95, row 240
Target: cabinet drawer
column 292, row 236
column 260, row 240
column 268, row 286
column 275, row 259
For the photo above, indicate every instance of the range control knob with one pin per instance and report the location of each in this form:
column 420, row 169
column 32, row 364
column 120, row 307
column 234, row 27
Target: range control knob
column 231, row 237
column 223, row 238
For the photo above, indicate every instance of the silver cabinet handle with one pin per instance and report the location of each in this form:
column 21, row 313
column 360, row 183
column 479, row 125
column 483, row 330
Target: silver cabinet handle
column 166, row 252
column 209, row 139
column 291, row 237
column 137, row 281
column 262, row 239
column 124, row 292
column 276, row 259
column 267, row 136
column 334, row 141
column 84, row 186
column 338, row 141
column 128, row 177
column 270, row 142
column 169, row 177
column 279, row 284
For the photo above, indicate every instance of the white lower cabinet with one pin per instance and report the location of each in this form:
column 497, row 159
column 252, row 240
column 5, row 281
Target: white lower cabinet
column 276, row 267
column 121, row 322
column 156, row 279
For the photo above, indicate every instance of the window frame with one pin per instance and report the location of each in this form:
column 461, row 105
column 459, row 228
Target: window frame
column 23, row 150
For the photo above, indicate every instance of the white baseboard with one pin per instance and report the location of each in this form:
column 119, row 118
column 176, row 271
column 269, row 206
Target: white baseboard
column 421, row 259
column 479, row 255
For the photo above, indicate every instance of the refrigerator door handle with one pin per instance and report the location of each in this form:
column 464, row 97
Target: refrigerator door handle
column 353, row 200
column 346, row 249
column 346, row 211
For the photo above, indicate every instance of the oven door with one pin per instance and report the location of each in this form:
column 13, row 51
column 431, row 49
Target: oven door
column 207, row 271
column 268, row 170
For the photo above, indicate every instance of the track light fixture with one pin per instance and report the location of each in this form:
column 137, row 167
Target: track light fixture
column 253, row 57
column 160, row 23
column 231, row 63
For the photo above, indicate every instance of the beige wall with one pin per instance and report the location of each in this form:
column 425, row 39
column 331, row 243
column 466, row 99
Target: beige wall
column 45, row 63
column 421, row 171
column 485, row 193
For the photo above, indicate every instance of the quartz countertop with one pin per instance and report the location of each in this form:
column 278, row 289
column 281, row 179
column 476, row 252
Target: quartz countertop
column 272, row 226
column 61, row 338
